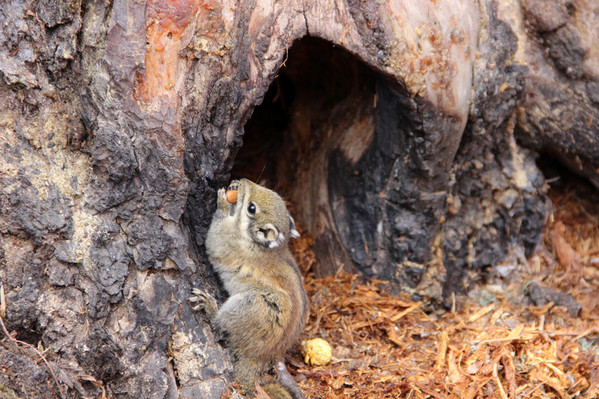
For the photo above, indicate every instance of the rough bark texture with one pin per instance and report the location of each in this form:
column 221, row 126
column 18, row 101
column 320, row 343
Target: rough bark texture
column 560, row 112
column 400, row 148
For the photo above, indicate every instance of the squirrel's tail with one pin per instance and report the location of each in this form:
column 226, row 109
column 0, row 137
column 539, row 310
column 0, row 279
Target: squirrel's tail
column 276, row 390
column 285, row 387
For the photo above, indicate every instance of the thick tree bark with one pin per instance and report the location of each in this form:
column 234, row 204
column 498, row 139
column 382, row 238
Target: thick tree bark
column 395, row 130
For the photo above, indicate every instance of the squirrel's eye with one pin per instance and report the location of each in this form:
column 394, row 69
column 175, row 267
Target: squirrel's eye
column 251, row 208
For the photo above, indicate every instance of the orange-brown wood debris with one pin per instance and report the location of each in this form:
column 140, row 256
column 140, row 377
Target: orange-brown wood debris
column 386, row 346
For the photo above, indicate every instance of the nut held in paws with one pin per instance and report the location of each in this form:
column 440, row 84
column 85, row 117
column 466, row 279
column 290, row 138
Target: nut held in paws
column 231, row 196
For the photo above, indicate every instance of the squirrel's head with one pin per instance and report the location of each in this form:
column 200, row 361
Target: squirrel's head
column 262, row 215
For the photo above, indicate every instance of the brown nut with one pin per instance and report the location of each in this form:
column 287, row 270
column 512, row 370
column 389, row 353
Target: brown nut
column 231, row 196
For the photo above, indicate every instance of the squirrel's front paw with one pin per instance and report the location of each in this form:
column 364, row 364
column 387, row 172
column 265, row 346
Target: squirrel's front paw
column 226, row 197
column 221, row 200
column 204, row 301
column 234, row 185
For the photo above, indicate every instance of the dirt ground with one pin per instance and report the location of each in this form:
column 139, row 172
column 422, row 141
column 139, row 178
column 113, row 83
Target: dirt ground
column 530, row 331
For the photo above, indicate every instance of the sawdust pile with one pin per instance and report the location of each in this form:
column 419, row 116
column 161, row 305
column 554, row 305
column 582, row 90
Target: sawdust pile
column 496, row 345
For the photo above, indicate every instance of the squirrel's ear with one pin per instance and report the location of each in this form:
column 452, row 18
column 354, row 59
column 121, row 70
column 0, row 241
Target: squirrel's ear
column 292, row 230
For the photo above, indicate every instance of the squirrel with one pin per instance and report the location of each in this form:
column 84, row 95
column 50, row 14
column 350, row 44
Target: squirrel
column 267, row 307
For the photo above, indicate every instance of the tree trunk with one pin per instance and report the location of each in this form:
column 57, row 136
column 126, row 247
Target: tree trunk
column 404, row 135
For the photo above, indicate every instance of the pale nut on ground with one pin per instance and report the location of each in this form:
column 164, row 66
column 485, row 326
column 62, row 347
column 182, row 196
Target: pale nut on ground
column 317, row 352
